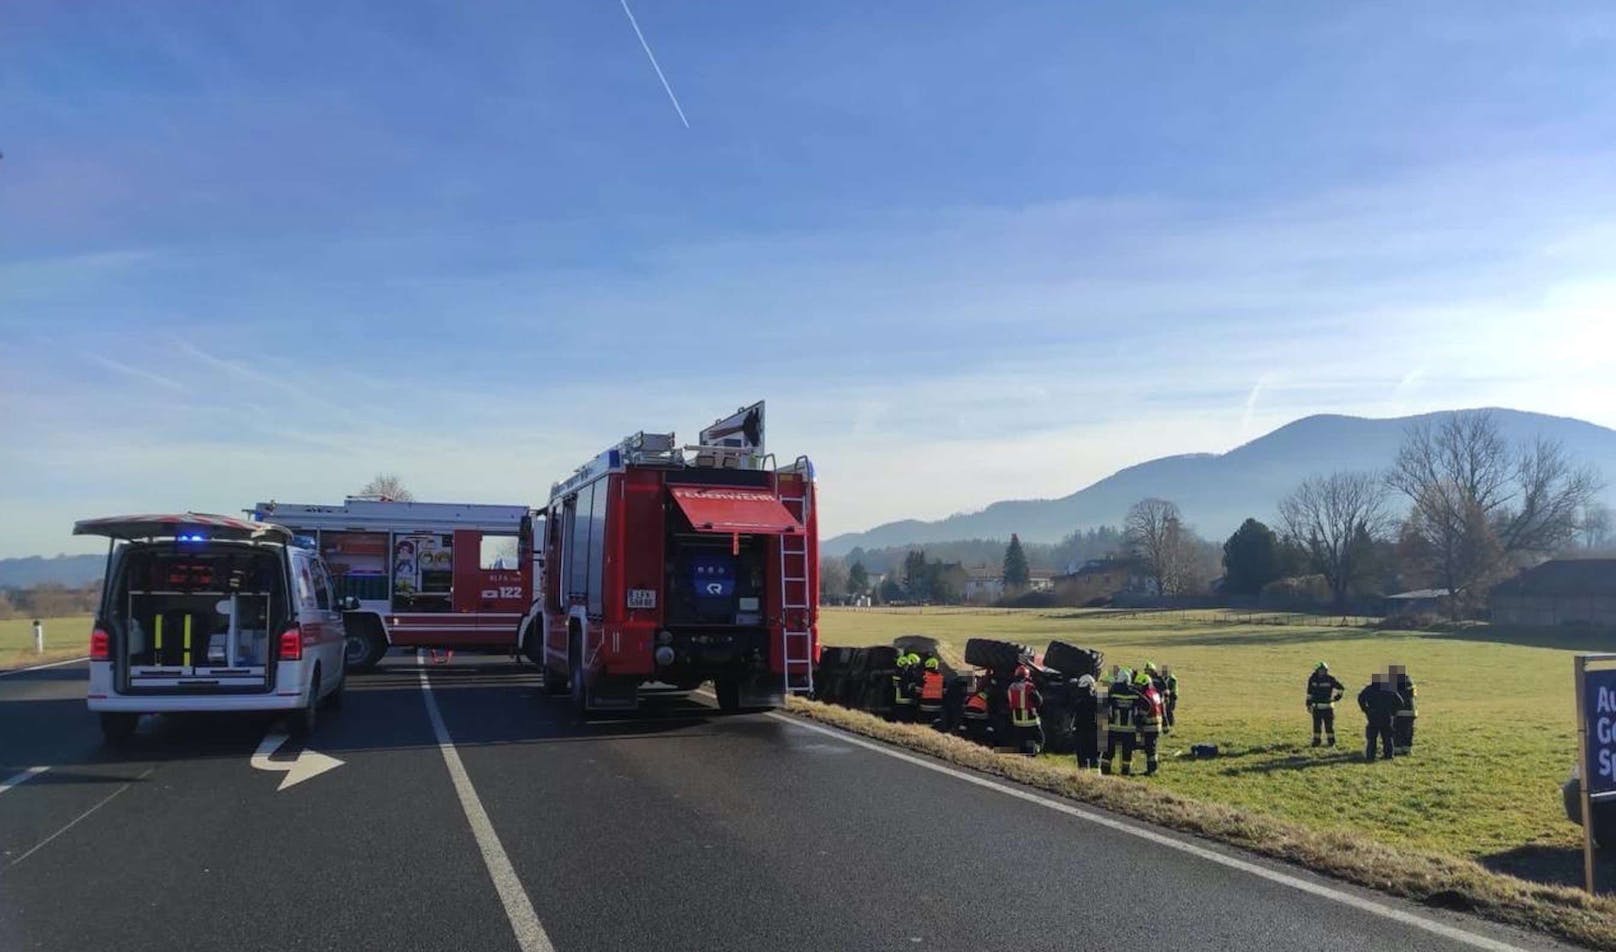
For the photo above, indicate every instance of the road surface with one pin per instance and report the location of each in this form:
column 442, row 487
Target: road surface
column 469, row 811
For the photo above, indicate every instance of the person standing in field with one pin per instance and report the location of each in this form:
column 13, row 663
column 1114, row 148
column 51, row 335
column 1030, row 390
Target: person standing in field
column 1086, row 723
column 1169, row 698
column 1323, row 690
column 1403, row 727
column 1148, row 720
column 1380, row 703
column 1025, row 703
column 1121, row 706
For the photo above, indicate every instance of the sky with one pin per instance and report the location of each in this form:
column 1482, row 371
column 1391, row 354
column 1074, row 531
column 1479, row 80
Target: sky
column 966, row 251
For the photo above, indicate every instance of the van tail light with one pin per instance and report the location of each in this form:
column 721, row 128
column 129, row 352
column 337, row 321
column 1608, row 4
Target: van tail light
column 292, row 645
column 100, row 645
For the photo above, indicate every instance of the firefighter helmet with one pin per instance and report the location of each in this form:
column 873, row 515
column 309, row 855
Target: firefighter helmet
column 932, row 664
column 1022, row 672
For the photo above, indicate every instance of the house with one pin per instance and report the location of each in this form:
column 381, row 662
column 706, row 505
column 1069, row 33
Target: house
column 1558, row 592
column 1421, row 601
column 1040, row 581
column 983, row 584
column 1102, row 579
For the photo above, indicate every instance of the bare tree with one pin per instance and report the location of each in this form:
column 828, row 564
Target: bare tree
column 387, row 486
column 1594, row 526
column 1335, row 518
column 1479, row 505
column 1155, row 533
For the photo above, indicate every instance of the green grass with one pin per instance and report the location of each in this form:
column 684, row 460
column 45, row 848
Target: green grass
column 1494, row 740
column 64, row 638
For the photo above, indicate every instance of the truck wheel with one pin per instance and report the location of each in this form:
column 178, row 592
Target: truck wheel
column 365, row 644
column 554, row 684
column 116, row 729
column 729, row 694
column 304, row 719
column 533, row 644
column 575, row 672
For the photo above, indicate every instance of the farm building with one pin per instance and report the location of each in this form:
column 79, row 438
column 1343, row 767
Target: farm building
column 1421, row 601
column 1558, row 592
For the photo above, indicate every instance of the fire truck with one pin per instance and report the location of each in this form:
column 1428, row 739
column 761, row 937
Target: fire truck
column 680, row 565
column 420, row 574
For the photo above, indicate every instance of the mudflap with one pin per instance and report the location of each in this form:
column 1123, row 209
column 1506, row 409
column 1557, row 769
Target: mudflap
column 612, row 694
column 763, row 691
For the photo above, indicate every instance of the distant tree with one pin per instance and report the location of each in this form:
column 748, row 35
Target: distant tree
column 1250, row 558
column 1156, row 536
column 1594, row 526
column 1016, row 572
column 917, row 575
column 832, row 579
column 1327, row 514
column 1479, row 505
column 891, row 589
column 388, row 486
column 858, row 580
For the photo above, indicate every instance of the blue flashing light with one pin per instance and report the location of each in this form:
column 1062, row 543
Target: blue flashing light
column 614, row 458
column 191, row 537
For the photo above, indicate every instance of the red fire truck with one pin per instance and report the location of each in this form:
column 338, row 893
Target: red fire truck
column 680, row 565
column 420, row 574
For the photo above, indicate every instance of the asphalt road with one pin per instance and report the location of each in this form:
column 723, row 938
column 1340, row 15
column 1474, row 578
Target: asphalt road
column 531, row 828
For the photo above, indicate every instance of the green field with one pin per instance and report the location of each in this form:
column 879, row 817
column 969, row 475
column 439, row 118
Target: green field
column 64, row 638
column 1495, row 736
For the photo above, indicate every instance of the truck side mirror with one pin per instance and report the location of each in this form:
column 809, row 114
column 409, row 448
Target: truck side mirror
column 350, row 604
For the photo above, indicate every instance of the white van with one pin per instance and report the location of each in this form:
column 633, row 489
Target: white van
column 211, row 613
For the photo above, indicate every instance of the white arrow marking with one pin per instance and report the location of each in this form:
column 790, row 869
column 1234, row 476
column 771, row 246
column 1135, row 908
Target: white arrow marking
column 309, row 763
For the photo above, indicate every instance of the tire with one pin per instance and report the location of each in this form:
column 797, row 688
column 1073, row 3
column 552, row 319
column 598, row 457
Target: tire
column 1059, row 736
column 533, row 644
column 1604, row 814
column 117, row 729
column 1072, row 661
column 366, row 643
column 996, row 655
column 304, row 720
column 554, row 683
column 729, row 695
column 575, row 674
column 920, row 644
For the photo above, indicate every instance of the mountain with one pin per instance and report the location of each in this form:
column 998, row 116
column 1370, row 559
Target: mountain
column 1216, row 491
column 70, row 570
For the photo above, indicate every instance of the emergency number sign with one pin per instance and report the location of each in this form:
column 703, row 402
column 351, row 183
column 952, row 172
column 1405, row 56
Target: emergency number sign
column 1599, row 713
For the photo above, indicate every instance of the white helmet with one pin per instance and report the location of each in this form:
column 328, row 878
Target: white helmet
column 1086, row 682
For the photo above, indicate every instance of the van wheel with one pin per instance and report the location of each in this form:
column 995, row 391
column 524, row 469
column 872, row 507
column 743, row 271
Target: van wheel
column 304, row 720
column 729, row 695
column 116, row 729
column 333, row 701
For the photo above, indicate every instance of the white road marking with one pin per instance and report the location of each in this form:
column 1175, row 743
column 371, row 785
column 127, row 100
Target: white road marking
column 309, row 763
column 76, row 820
column 41, row 667
column 1284, row 879
column 530, row 934
column 22, row 778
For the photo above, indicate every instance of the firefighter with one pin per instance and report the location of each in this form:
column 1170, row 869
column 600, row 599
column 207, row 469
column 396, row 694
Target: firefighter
column 1403, row 726
column 931, row 690
column 975, row 717
column 1086, row 723
column 1323, row 690
column 903, row 694
column 1169, row 698
column 1159, row 682
column 1380, row 703
column 1025, row 702
column 1148, row 718
column 1121, row 707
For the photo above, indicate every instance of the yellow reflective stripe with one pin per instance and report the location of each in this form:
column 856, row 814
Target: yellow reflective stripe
column 157, row 635
column 187, row 642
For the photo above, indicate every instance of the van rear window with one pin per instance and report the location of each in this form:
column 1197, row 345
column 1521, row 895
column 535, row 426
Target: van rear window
column 191, row 608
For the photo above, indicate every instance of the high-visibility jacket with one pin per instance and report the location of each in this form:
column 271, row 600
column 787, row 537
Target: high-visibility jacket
column 902, row 692
column 1120, row 708
column 931, row 689
column 1151, row 706
column 1323, row 690
column 1024, row 703
column 976, row 706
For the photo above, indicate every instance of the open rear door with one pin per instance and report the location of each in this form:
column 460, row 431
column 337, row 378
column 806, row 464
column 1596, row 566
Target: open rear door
column 728, row 510
column 173, row 525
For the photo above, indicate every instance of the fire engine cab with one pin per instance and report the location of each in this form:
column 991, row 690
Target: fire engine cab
column 680, row 565
column 425, row 574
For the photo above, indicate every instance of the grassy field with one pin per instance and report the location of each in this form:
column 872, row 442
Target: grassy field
column 1495, row 735
column 64, row 638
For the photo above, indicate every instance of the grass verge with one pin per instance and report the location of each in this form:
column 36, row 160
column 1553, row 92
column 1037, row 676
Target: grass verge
column 1425, row 877
column 64, row 638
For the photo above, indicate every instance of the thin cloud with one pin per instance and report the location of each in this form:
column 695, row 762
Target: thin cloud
column 138, row 373
column 652, row 57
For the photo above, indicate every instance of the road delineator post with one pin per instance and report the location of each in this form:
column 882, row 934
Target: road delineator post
column 39, row 637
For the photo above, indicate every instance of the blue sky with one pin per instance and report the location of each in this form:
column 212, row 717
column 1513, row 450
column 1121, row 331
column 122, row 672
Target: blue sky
column 967, row 251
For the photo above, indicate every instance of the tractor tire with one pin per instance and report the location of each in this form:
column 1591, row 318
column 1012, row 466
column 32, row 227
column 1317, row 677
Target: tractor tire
column 1059, row 736
column 922, row 645
column 1072, row 661
column 852, row 688
column 996, row 655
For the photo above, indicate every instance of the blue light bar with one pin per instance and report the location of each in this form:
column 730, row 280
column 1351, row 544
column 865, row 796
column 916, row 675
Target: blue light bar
column 192, row 537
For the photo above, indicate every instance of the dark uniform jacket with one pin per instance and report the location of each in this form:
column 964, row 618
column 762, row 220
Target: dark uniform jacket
column 1323, row 690
column 1379, row 703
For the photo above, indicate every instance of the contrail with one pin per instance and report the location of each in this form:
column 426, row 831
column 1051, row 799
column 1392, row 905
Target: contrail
column 652, row 57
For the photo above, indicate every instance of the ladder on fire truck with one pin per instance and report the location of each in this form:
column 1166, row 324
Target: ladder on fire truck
column 796, row 596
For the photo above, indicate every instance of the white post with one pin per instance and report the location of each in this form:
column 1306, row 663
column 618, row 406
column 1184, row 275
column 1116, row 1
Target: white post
column 39, row 637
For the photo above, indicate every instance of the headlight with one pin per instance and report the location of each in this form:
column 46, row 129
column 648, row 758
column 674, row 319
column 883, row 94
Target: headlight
column 664, row 656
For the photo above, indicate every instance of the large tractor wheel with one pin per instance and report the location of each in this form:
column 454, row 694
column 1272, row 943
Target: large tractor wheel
column 1072, row 661
column 1000, row 656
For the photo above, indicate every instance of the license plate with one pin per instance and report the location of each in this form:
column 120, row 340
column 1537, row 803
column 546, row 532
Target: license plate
column 642, row 598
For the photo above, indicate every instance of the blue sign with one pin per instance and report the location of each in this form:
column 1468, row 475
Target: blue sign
column 1599, row 711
